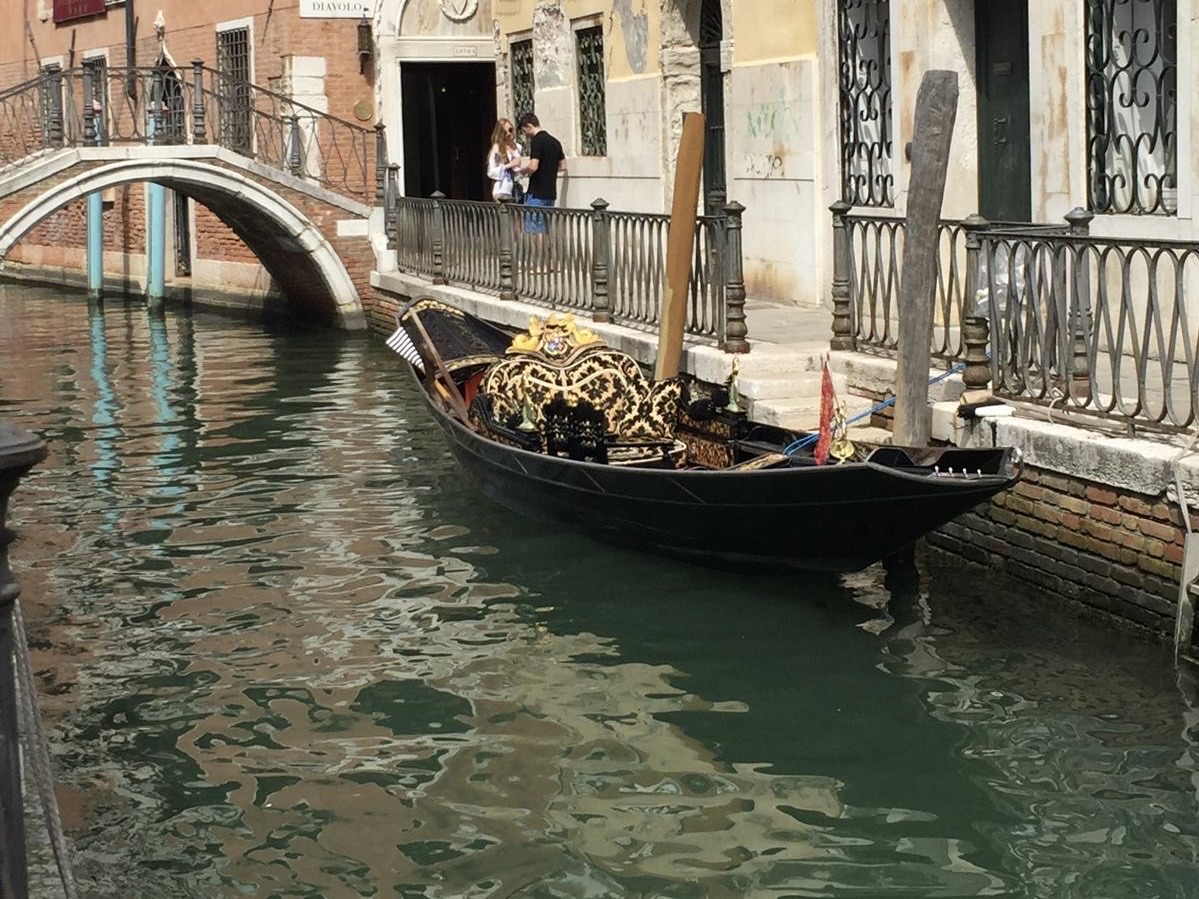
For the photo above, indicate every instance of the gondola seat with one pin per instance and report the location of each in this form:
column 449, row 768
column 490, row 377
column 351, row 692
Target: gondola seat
column 556, row 359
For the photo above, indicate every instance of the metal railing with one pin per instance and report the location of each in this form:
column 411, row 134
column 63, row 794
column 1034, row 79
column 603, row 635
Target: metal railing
column 1043, row 313
column 1099, row 325
column 607, row 264
column 164, row 105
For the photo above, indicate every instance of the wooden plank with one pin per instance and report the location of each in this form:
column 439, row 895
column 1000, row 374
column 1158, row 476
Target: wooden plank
column 680, row 241
column 936, row 110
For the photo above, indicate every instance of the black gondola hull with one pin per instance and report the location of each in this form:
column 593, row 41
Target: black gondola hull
column 831, row 518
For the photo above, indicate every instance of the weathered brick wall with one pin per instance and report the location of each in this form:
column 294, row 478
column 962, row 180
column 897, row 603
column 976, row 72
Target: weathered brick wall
column 1117, row 552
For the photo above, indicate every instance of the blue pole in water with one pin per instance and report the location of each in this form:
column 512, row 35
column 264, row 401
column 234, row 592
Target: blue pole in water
column 156, row 243
column 95, row 246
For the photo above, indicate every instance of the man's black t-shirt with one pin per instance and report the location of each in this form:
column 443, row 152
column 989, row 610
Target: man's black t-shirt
column 547, row 150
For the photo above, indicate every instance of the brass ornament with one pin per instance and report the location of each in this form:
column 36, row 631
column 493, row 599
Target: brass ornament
column 555, row 337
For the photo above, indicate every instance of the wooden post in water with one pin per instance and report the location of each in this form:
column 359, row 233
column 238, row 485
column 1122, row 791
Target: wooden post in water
column 680, row 240
column 936, row 110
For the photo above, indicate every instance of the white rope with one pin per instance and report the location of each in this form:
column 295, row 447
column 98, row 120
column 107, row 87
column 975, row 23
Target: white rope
column 36, row 751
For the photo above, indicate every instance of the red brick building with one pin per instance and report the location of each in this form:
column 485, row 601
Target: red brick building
column 308, row 51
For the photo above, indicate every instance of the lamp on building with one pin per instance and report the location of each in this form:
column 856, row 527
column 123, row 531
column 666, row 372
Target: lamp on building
column 366, row 42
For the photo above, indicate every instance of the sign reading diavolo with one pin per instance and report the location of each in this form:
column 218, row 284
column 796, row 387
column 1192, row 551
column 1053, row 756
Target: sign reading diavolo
column 65, row 10
column 333, row 9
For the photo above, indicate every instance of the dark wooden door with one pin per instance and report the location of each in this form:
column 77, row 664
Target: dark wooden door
column 1004, row 144
column 448, row 113
column 711, row 32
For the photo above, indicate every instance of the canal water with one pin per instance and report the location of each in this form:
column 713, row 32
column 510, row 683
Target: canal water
column 286, row 651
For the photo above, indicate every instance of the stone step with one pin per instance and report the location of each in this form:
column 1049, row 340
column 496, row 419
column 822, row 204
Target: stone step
column 800, row 413
column 798, row 384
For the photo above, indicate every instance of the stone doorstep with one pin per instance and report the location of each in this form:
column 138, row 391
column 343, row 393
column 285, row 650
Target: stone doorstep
column 802, row 413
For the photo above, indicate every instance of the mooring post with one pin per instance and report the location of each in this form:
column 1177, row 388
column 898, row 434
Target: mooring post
column 932, row 133
column 601, row 245
column 19, row 451
column 95, row 246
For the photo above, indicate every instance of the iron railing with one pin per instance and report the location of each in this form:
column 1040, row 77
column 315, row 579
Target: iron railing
column 187, row 105
column 606, row 264
column 1098, row 325
column 1043, row 313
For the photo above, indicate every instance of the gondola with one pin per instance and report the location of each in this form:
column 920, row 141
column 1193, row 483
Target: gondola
column 555, row 425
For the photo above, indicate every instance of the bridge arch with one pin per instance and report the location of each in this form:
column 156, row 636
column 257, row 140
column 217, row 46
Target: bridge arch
column 290, row 246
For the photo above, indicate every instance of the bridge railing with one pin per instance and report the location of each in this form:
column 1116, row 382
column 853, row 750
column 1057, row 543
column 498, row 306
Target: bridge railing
column 607, row 264
column 103, row 106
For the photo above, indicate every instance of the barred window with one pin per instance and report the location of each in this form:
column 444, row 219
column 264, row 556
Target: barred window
column 522, row 77
column 1132, row 106
column 593, row 122
column 864, row 46
column 233, row 89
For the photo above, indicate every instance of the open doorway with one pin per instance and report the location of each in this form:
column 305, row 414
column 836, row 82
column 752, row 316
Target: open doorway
column 448, row 114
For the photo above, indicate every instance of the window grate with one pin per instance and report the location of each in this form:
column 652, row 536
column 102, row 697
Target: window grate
column 711, row 24
column 522, row 77
column 1132, row 106
column 233, row 89
column 864, row 44
column 593, row 122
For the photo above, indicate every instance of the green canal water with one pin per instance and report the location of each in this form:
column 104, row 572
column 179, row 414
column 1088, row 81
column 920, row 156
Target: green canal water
column 286, row 651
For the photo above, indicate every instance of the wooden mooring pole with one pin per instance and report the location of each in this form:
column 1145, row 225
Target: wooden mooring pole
column 936, row 110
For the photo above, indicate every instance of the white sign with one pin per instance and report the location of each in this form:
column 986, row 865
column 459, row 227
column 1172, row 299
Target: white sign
column 334, row 9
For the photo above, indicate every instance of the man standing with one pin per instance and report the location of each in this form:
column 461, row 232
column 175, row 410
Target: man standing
column 544, row 163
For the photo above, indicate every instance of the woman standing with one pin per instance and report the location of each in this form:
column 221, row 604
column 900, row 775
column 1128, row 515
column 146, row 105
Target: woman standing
column 503, row 159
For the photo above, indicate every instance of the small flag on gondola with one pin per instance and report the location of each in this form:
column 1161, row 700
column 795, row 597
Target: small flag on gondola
column 827, row 407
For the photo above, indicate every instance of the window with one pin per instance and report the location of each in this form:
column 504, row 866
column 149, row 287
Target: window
column 233, row 89
column 1132, row 106
column 52, row 121
column 522, row 77
column 593, row 123
column 95, row 100
column 864, row 45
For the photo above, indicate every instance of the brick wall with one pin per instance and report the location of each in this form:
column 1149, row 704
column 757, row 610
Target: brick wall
column 1114, row 551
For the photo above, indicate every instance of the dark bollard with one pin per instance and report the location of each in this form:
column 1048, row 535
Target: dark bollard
column 19, row 451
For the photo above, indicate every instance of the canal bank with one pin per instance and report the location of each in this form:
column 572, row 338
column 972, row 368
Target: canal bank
column 1095, row 520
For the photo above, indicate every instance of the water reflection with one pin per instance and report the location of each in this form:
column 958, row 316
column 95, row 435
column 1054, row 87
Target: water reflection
column 291, row 653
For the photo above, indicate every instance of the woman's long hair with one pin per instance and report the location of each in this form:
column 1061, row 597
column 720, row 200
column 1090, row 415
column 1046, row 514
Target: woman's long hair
column 503, row 135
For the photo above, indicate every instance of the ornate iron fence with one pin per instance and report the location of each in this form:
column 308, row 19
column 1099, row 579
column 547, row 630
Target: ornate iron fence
column 100, row 106
column 610, row 265
column 1044, row 313
column 1098, row 325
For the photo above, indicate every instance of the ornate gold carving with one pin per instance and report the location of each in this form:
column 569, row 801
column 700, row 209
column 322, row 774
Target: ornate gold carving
column 556, row 338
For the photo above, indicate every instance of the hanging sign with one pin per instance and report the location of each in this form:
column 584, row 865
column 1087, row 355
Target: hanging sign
column 65, row 10
column 334, row 9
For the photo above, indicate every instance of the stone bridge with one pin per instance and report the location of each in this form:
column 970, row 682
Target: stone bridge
column 296, row 185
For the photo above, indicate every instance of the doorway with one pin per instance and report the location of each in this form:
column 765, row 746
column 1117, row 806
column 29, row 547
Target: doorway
column 1004, row 143
column 448, row 114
